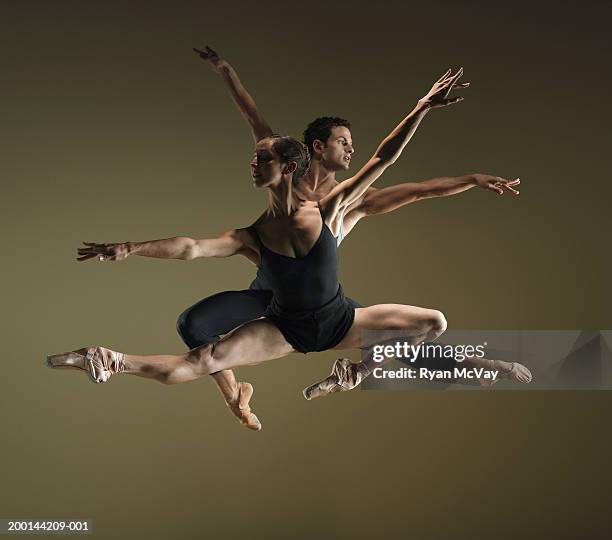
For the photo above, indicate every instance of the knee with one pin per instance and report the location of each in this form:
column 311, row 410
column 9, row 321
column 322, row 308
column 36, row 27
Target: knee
column 437, row 323
column 193, row 332
column 202, row 360
column 182, row 326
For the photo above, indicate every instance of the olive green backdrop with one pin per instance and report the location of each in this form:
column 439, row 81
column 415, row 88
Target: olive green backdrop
column 113, row 130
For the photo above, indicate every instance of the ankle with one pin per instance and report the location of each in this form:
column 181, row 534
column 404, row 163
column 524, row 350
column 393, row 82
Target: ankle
column 363, row 370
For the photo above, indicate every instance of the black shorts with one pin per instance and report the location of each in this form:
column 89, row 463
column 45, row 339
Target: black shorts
column 314, row 330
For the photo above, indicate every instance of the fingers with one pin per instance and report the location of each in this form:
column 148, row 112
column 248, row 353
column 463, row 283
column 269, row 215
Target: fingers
column 97, row 249
column 510, row 189
column 444, row 76
column 500, row 184
column 495, row 186
column 507, row 184
column 450, row 101
column 207, row 53
column 451, row 82
column 86, row 257
column 210, row 51
column 456, row 76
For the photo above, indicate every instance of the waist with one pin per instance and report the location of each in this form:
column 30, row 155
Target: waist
column 295, row 312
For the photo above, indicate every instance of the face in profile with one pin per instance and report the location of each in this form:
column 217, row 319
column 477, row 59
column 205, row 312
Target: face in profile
column 337, row 151
column 265, row 166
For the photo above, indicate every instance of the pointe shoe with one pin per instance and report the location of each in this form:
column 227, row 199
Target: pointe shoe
column 516, row 373
column 240, row 407
column 345, row 375
column 100, row 363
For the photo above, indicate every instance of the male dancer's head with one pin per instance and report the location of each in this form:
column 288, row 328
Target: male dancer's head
column 329, row 142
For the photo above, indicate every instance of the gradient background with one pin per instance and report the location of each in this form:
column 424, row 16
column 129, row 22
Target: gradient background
column 113, row 130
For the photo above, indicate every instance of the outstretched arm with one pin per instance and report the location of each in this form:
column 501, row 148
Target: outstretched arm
column 241, row 98
column 179, row 247
column 381, row 201
column 392, row 146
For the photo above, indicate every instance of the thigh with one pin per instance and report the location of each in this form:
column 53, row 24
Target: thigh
column 412, row 319
column 252, row 343
column 219, row 314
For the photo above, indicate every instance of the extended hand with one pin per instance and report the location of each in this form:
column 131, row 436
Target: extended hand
column 215, row 61
column 496, row 183
column 438, row 95
column 104, row 252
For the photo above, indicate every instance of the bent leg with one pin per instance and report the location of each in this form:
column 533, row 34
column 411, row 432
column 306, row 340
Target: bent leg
column 417, row 325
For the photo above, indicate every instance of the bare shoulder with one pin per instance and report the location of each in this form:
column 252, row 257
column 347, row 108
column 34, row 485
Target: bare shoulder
column 305, row 213
column 249, row 244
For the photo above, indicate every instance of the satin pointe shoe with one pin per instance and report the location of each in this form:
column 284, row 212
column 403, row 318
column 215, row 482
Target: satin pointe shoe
column 240, row 407
column 99, row 363
column 345, row 375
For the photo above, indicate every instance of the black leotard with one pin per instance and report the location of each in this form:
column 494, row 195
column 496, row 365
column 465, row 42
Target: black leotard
column 308, row 305
column 302, row 283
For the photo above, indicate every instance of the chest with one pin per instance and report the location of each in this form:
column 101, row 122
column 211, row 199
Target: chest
column 294, row 236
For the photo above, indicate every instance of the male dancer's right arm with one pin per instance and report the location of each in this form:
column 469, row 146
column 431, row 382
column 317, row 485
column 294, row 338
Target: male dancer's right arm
column 179, row 247
column 240, row 96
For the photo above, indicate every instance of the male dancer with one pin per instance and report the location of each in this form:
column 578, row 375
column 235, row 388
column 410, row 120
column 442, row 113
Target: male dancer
column 330, row 144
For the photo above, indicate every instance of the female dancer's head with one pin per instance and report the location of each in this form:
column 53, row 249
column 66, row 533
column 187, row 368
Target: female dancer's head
column 277, row 160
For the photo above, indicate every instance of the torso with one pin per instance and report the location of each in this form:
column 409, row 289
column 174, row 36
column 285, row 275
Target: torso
column 294, row 235
column 298, row 256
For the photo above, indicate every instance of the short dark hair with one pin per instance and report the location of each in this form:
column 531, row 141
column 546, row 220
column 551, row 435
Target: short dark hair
column 289, row 149
column 320, row 128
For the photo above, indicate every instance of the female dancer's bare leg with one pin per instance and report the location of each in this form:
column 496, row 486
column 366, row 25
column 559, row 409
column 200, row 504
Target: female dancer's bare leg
column 346, row 375
column 252, row 343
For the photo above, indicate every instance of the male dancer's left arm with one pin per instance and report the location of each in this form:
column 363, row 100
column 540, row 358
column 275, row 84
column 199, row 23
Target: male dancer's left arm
column 388, row 199
column 351, row 190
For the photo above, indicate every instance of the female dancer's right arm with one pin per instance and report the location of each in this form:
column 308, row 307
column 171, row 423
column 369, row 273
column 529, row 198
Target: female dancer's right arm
column 241, row 98
column 237, row 241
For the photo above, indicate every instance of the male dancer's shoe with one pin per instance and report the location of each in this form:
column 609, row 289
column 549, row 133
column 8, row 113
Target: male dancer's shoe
column 99, row 362
column 345, row 375
column 517, row 373
column 240, row 407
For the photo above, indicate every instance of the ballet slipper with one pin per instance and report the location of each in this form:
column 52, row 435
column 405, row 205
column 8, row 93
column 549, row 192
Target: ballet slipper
column 99, row 363
column 516, row 373
column 345, row 375
column 240, row 407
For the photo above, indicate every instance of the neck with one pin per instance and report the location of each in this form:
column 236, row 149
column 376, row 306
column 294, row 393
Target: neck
column 281, row 199
column 317, row 175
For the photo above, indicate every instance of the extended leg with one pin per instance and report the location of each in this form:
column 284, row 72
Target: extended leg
column 254, row 342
